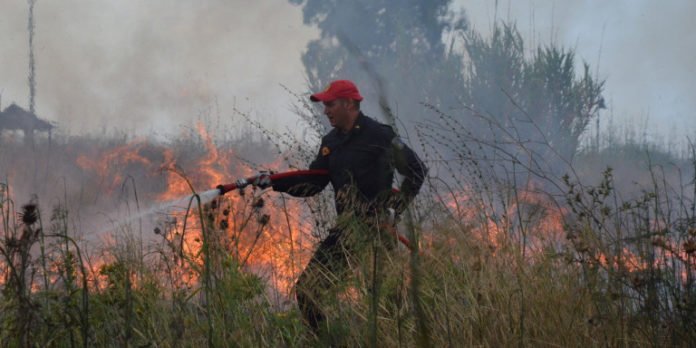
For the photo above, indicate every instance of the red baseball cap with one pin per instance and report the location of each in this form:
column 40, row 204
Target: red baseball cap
column 338, row 89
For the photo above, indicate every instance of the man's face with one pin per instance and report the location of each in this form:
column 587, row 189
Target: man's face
column 338, row 112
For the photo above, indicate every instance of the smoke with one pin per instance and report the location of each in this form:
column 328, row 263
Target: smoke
column 152, row 66
column 643, row 48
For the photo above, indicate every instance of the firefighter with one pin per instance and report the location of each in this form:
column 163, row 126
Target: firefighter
column 361, row 156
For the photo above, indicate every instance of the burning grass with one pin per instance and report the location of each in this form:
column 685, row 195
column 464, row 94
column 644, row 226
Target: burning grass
column 502, row 263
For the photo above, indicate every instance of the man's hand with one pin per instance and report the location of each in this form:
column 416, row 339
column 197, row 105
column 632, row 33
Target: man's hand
column 394, row 217
column 263, row 180
column 398, row 202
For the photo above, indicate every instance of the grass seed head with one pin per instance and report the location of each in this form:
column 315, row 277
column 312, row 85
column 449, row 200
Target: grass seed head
column 29, row 214
column 638, row 280
column 659, row 242
column 692, row 231
column 690, row 246
column 264, row 219
column 258, row 203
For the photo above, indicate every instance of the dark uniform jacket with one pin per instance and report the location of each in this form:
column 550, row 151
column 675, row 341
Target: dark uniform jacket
column 361, row 167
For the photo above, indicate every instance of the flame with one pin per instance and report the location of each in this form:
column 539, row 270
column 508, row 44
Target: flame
column 274, row 248
column 530, row 212
column 548, row 229
column 278, row 247
column 214, row 168
column 113, row 165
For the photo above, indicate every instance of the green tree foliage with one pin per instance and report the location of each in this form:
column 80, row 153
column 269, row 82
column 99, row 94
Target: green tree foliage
column 391, row 49
column 539, row 98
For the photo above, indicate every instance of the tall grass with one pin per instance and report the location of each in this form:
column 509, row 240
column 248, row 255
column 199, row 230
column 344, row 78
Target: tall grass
column 505, row 260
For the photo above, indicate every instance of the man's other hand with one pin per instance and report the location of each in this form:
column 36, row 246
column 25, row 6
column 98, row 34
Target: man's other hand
column 263, row 180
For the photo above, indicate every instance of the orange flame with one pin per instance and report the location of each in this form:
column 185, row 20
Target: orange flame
column 275, row 250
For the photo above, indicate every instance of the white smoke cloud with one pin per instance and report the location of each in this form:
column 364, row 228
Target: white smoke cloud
column 151, row 65
column 154, row 65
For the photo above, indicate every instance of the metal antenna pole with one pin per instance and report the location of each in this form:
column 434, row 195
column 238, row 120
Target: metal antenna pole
column 32, row 74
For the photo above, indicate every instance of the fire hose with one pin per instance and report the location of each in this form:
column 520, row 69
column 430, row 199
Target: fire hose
column 244, row 182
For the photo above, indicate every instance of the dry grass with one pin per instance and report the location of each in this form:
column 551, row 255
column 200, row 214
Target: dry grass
column 496, row 268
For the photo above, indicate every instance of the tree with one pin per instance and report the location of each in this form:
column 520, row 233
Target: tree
column 392, row 49
column 536, row 101
column 395, row 53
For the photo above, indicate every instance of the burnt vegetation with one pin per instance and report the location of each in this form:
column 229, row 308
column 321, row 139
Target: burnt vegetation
column 531, row 230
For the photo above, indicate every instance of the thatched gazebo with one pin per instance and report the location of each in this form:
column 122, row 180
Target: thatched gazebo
column 16, row 118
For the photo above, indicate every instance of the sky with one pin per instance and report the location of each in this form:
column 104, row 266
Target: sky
column 153, row 66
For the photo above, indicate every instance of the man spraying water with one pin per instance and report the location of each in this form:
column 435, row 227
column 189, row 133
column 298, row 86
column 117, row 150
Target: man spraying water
column 359, row 158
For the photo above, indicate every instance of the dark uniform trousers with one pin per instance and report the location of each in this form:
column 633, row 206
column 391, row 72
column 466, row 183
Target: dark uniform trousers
column 333, row 262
